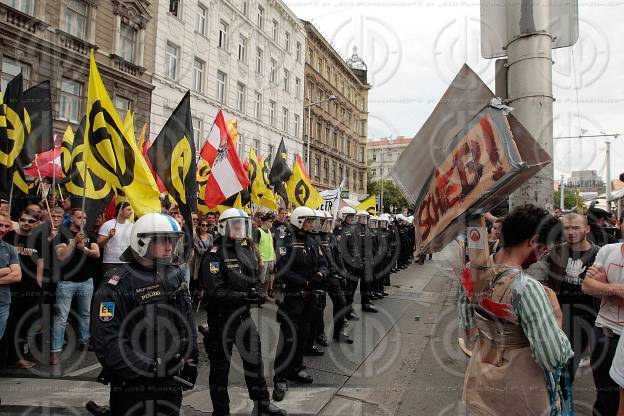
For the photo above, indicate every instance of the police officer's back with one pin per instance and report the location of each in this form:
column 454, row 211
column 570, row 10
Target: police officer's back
column 142, row 324
column 228, row 272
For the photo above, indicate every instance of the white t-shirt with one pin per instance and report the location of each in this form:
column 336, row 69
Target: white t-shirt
column 119, row 243
column 617, row 366
column 611, row 258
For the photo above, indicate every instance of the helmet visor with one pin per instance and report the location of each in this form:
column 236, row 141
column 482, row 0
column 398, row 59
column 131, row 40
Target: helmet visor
column 372, row 224
column 238, row 228
column 362, row 219
column 383, row 224
column 326, row 225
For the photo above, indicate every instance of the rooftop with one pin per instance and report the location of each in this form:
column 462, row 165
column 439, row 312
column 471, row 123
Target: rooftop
column 389, row 141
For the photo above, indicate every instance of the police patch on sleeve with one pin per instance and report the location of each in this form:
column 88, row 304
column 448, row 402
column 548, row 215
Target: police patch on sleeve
column 214, row 267
column 282, row 251
column 107, row 311
column 114, row 280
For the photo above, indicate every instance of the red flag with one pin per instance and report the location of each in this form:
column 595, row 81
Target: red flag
column 227, row 175
column 159, row 183
column 49, row 164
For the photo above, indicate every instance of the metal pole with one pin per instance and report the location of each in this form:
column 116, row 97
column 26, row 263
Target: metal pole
column 530, row 89
column 608, row 175
column 561, row 191
column 309, row 133
column 382, row 179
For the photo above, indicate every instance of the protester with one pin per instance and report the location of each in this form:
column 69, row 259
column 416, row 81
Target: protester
column 25, row 294
column 617, row 373
column 518, row 344
column 597, row 218
column 75, row 253
column 10, row 271
column 114, row 236
column 202, row 242
column 605, row 280
column 267, row 255
column 494, row 241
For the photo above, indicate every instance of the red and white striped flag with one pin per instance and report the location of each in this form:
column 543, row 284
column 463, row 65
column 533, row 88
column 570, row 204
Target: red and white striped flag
column 227, row 174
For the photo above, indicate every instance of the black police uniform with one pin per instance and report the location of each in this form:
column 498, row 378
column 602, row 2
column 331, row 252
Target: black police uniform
column 335, row 283
column 317, row 326
column 143, row 332
column 382, row 259
column 298, row 268
column 351, row 254
column 228, row 272
column 366, row 241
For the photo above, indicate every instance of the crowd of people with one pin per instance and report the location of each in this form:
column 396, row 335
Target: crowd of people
column 554, row 298
column 106, row 280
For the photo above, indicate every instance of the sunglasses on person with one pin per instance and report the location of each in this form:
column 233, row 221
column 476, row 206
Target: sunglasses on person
column 203, row 225
column 26, row 220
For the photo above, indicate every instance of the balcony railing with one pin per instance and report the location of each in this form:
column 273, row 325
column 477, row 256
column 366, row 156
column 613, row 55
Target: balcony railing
column 127, row 67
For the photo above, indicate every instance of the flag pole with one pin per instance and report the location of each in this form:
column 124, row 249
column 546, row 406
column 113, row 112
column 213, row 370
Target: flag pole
column 11, row 198
column 84, row 193
column 45, row 199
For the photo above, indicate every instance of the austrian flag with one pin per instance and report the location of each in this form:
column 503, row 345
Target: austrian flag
column 228, row 175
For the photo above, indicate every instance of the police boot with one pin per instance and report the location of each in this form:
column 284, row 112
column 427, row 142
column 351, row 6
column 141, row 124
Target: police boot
column 342, row 337
column 300, row 376
column 279, row 391
column 267, row 409
column 369, row 308
column 322, row 340
column 314, row 351
column 352, row 316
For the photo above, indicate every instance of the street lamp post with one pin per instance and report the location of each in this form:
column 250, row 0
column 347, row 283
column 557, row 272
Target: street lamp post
column 309, row 108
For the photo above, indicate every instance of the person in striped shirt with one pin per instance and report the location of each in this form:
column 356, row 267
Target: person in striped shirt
column 520, row 347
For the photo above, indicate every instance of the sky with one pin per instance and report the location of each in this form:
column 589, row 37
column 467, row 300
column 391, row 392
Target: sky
column 414, row 49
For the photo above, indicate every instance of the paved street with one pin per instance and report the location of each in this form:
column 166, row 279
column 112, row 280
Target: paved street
column 405, row 362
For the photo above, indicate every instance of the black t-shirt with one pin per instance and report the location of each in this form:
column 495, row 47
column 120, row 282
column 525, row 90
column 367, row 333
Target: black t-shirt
column 28, row 251
column 570, row 291
column 78, row 267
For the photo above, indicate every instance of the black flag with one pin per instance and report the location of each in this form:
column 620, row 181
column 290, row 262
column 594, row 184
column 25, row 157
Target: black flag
column 38, row 103
column 173, row 158
column 280, row 172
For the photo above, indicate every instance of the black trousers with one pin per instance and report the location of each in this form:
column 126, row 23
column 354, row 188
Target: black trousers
column 578, row 325
column 317, row 327
column 339, row 303
column 295, row 315
column 151, row 399
column 227, row 329
column 607, row 390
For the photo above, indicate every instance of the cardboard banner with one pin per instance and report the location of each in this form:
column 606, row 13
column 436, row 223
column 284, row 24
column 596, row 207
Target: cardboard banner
column 466, row 159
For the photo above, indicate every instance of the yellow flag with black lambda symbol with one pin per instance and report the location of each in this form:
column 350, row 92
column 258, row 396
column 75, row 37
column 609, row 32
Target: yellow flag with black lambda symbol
column 173, row 158
column 66, row 151
column 300, row 191
column 261, row 194
column 112, row 155
column 203, row 172
column 97, row 193
column 369, row 205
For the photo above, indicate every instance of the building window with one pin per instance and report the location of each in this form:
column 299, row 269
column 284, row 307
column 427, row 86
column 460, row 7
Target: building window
column 310, row 87
column 361, row 181
column 245, row 7
column 334, row 172
column 287, row 41
column 70, row 99
column 260, row 17
column 240, row 147
column 275, row 30
column 174, row 7
column 317, row 163
column 285, row 120
column 122, row 105
column 242, row 49
column 171, row 58
column 269, row 157
column 286, row 80
column 11, row 68
column 257, row 105
column 24, row 6
column 259, row 61
column 240, row 97
column 221, row 86
column 127, row 40
column 298, row 88
column 272, row 107
column 297, row 125
column 310, row 56
column 326, row 169
column 199, row 67
column 198, row 126
column 273, row 71
column 223, row 29
column 200, row 21
column 298, row 51
column 76, row 18
column 335, row 141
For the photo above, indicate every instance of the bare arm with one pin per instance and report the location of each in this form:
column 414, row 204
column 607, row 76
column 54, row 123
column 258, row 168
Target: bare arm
column 597, row 285
column 11, row 274
column 40, row 272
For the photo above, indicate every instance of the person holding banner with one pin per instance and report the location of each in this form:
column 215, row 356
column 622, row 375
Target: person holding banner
column 114, row 236
column 520, row 348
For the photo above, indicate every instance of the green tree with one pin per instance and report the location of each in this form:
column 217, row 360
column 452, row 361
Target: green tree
column 392, row 194
column 569, row 199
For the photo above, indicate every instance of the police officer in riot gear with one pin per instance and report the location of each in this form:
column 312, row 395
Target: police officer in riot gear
column 387, row 244
column 317, row 338
column 142, row 324
column 366, row 241
column 300, row 268
column 336, row 282
column 350, row 253
column 228, row 272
